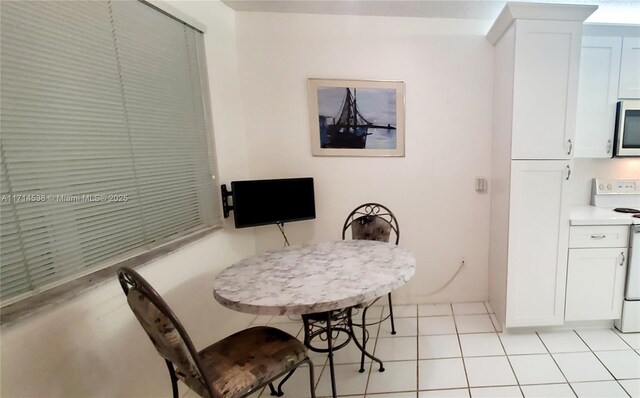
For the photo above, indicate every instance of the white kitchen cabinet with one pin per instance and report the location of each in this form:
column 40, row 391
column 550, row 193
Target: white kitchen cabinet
column 547, row 61
column 538, row 243
column 536, row 67
column 629, row 87
column 595, row 283
column 597, row 96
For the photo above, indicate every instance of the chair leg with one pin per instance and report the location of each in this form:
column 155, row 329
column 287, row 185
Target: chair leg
column 280, row 393
column 273, row 390
column 312, row 379
column 332, row 371
column 174, row 379
column 364, row 338
column 393, row 326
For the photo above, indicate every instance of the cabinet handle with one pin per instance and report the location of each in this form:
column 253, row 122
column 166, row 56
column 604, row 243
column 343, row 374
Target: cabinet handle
column 570, row 147
column 568, row 172
column 623, row 258
column 608, row 146
column 598, row 236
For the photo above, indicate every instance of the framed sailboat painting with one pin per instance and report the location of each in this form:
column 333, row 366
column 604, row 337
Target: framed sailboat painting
column 356, row 117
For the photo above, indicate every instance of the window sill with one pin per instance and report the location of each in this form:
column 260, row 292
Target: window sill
column 47, row 299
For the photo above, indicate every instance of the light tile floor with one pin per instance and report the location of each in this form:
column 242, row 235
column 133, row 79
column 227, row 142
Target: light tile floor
column 445, row 350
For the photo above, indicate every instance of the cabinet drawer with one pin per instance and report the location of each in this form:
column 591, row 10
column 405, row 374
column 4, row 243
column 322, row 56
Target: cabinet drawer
column 599, row 236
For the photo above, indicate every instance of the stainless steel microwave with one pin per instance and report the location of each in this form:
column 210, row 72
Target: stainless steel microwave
column 627, row 135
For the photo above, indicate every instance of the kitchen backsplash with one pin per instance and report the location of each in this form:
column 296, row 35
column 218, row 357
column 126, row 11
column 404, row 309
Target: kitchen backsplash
column 584, row 170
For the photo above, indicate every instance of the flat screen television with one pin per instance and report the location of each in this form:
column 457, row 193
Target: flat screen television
column 263, row 202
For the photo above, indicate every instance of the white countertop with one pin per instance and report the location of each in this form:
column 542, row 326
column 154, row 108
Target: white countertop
column 591, row 215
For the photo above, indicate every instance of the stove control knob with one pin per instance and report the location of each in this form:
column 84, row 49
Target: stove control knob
column 601, row 186
column 609, row 187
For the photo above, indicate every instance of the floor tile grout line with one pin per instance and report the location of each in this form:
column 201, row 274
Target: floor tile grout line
column 375, row 346
column 397, row 360
column 508, row 385
column 469, row 314
column 322, row 370
column 620, row 337
column 557, row 364
column 380, row 334
column 601, row 381
column 625, row 350
column 508, row 360
column 366, row 385
column 557, row 382
column 605, row 381
column 602, row 363
column 594, row 351
column 464, row 365
column 456, row 388
column 486, row 308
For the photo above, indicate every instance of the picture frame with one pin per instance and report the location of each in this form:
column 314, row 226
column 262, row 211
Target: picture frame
column 356, row 117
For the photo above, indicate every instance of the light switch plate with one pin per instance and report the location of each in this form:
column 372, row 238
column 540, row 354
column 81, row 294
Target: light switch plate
column 481, row 184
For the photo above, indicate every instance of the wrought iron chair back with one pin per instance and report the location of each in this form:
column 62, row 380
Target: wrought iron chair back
column 372, row 221
column 165, row 331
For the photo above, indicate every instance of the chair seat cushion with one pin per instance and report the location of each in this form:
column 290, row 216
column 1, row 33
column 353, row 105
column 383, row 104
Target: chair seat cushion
column 249, row 358
column 371, row 228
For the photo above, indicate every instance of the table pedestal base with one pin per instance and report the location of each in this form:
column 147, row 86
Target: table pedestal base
column 326, row 327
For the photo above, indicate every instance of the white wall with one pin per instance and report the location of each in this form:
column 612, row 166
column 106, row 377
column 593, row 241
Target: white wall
column 447, row 68
column 92, row 346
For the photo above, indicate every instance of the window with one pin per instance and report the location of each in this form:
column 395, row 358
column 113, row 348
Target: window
column 106, row 147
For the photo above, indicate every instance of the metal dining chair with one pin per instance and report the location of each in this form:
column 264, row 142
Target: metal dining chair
column 234, row 367
column 372, row 221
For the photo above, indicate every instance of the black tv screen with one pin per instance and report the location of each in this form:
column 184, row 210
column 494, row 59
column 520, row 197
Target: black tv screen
column 262, row 202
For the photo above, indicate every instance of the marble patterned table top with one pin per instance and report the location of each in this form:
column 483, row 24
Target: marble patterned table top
column 314, row 277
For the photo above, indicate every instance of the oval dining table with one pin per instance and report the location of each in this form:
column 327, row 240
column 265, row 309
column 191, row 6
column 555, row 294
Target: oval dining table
column 321, row 282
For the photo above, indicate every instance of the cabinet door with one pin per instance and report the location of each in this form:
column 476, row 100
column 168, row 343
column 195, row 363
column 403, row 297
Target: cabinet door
column 597, row 96
column 538, row 242
column 629, row 75
column 595, row 284
column 547, row 58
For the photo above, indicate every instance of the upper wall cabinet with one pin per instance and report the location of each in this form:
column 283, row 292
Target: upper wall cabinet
column 609, row 72
column 630, row 69
column 547, row 58
column 597, row 96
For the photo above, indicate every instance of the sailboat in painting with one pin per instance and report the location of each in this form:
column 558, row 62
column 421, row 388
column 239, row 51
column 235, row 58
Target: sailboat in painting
column 349, row 129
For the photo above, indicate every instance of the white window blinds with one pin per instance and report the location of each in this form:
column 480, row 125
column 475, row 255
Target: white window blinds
column 104, row 148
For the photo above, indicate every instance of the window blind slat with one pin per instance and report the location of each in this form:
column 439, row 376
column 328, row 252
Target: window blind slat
column 98, row 98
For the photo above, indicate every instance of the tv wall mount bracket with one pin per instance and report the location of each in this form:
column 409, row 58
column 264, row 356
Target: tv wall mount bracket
column 226, row 207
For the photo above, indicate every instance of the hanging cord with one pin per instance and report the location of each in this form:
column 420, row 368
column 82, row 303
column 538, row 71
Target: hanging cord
column 286, row 243
column 281, row 228
column 449, row 281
